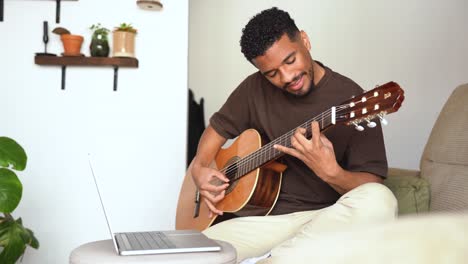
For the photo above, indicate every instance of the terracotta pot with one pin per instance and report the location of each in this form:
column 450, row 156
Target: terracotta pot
column 123, row 44
column 71, row 44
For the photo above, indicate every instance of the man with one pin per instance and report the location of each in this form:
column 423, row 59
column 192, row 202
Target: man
column 333, row 180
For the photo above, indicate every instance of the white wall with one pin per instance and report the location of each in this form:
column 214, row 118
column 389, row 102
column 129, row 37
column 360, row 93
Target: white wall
column 422, row 45
column 137, row 135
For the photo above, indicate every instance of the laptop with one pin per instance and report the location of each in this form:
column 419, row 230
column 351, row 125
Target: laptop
column 156, row 242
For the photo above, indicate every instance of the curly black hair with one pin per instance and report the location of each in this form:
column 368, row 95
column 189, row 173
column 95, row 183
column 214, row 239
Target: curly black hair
column 264, row 29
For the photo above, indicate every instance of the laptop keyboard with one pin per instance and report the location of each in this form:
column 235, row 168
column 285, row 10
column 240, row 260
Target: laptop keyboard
column 148, row 240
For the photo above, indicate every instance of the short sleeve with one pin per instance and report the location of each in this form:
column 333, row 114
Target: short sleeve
column 234, row 116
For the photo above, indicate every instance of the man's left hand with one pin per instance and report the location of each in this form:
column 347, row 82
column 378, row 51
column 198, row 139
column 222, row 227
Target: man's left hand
column 317, row 153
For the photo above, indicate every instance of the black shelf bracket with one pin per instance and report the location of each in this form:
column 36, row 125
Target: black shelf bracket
column 116, row 73
column 64, row 69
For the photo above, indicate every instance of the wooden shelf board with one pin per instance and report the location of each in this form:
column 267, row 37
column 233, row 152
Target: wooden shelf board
column 86, row 61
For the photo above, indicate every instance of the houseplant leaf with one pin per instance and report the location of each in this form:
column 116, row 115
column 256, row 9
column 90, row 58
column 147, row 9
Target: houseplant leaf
column 11, row 153
column 14, row 237
column 11, row 239
column 11, row 190
column 60, row 31
column 31, row 239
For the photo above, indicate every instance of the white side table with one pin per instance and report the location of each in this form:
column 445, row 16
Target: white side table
column 103, row 252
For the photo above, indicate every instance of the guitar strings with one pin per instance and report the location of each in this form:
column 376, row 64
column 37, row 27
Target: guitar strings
column 266, row 148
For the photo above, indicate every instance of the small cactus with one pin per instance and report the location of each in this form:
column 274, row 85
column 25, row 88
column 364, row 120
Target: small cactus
column 126, row 27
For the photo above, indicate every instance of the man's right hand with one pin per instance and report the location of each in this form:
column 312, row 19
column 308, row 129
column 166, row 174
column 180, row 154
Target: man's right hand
column 212, row 186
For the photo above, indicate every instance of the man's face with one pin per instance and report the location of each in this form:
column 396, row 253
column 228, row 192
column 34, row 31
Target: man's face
column 288, row 65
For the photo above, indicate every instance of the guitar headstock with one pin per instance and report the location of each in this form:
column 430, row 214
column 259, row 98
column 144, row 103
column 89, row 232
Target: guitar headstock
column 376, row 103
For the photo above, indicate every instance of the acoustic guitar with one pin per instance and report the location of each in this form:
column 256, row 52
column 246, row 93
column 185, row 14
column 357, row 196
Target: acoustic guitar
column 255, row 175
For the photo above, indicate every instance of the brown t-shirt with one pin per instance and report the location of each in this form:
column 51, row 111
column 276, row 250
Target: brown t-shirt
column 258, row 104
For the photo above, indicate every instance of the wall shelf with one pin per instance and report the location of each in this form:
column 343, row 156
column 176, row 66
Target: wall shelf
column 87, row 61
column 57, row 9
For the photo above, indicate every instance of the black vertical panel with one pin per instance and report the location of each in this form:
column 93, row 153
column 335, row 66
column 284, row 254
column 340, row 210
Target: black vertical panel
column 1, row 10
column 196, row 125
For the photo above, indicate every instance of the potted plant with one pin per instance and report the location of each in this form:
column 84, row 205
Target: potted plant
column 14, row 237
column 99, row 46
column 71, row 43
column 123, row 40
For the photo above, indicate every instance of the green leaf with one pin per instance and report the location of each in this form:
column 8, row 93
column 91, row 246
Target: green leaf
column 11, row 190
column 12, row 153
column 33, row 242
column 126, row 28
column 27, row 235
column 12, row 241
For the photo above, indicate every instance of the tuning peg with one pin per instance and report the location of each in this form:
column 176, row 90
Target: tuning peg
column 371, row 124
column 358, row 127
column 383, row 120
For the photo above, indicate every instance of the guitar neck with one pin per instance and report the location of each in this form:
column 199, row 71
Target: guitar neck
column 267, row 153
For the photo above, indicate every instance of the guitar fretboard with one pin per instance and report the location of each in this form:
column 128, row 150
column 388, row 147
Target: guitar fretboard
column 267, row 153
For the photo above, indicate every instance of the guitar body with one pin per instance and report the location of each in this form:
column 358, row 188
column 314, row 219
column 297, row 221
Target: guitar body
column 255, row 193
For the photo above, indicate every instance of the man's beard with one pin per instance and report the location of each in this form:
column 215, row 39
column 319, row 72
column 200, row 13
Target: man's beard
column 311, row 86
